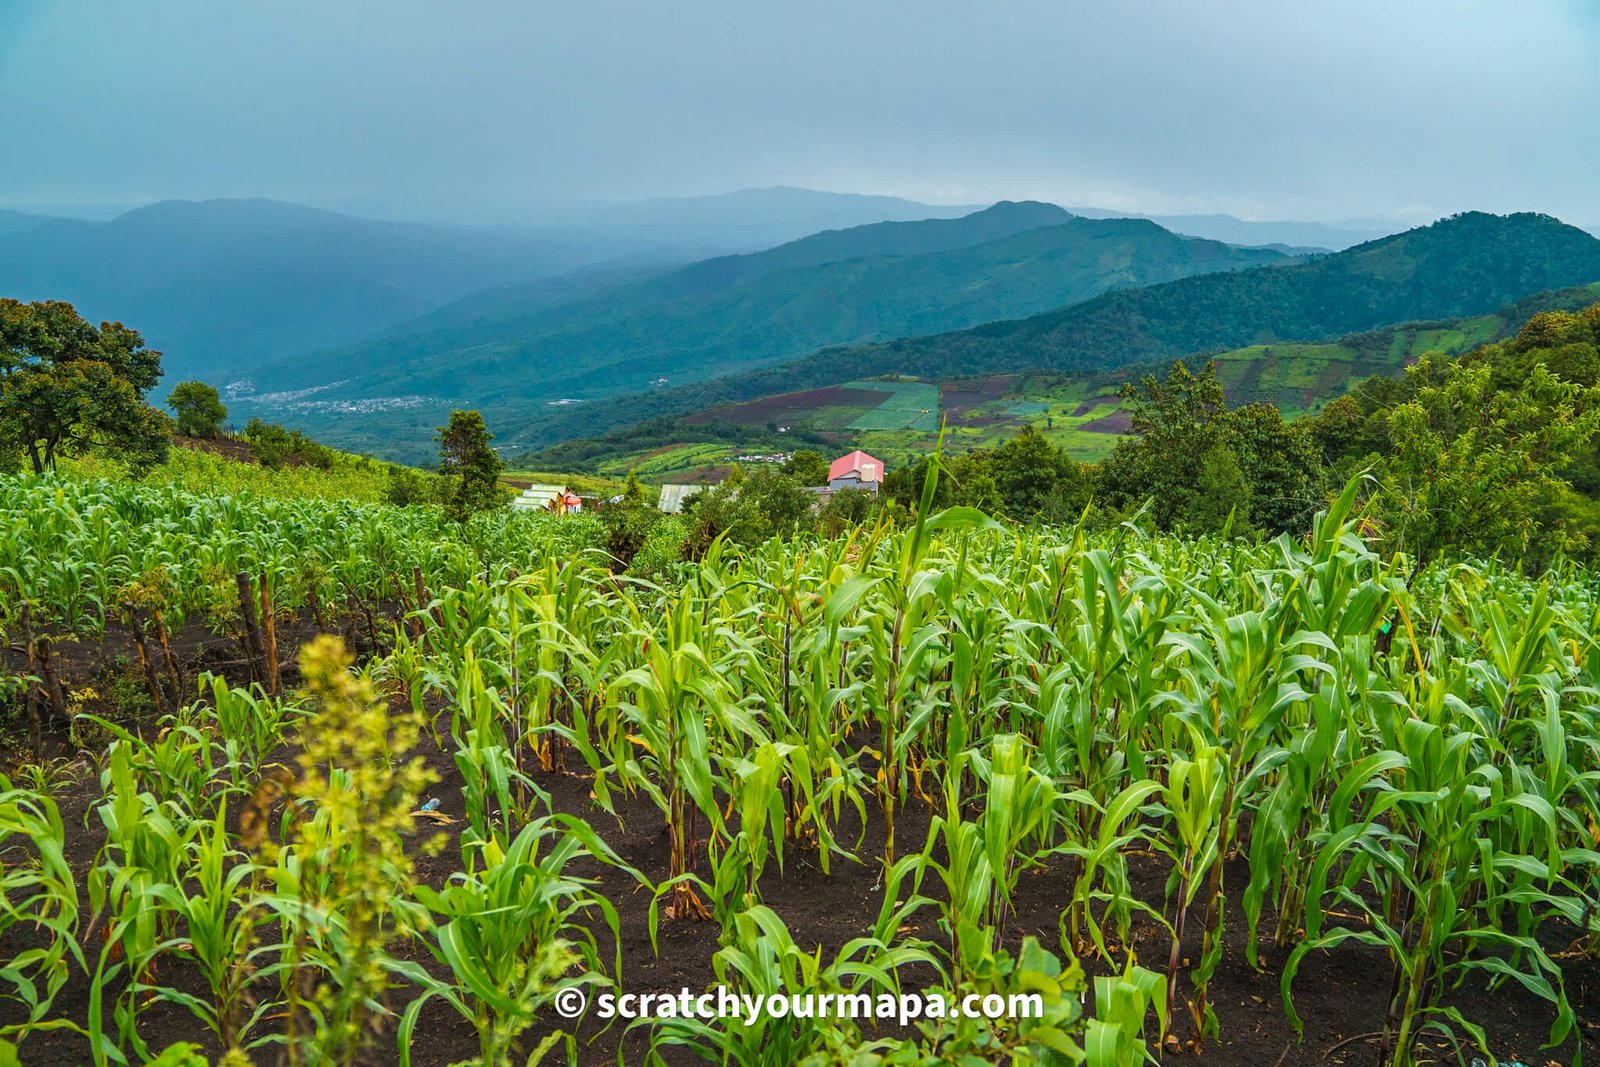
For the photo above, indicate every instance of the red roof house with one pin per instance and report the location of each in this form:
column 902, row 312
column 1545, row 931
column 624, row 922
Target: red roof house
column 855, row 471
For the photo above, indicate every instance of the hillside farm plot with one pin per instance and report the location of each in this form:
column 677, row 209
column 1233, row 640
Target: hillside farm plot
column 906, row 406
column 832, row 408
column 678, row 796
column 669, row 461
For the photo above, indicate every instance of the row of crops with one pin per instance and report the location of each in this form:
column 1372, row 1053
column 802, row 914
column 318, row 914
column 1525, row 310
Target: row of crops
column 1320, row 751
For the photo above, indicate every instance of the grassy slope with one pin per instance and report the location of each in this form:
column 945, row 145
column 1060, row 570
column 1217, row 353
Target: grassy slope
column 200, row 470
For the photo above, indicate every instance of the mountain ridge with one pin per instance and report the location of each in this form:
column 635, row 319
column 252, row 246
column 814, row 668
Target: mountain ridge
column 1472, row 263
column 727, row 321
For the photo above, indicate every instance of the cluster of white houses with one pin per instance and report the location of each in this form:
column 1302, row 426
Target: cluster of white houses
column 857, row 470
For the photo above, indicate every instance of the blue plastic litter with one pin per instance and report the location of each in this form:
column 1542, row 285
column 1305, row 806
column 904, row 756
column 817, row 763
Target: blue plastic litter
column 431, row 805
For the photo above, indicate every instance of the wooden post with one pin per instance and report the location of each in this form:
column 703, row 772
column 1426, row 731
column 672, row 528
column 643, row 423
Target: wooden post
column 52, row 681
column 316, row 611
column 171, row 660
column 136, row 625
column 269, row 624
column 252, row 638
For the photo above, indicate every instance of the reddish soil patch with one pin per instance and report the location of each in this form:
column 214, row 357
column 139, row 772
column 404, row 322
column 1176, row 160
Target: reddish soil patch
column 959, row 397
column 789, row 406
column 1117, row 422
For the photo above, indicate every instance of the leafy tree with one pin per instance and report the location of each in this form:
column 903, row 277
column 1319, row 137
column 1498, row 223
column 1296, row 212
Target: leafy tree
column 1474, row 464
column 67, row 387
column 1197, row 463
column 274, row 446
column 845, row 509
column 1035, row 479
column 199, row 409
column 466, row 455
column 808, row 467
column 758, row 506
column 1180, row 458
column 629, row 523
column 632, row 491
column 406, row 487
column 1281, row 466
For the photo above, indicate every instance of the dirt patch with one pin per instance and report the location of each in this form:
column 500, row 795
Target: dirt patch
column 1117, row 422
column 789, row 406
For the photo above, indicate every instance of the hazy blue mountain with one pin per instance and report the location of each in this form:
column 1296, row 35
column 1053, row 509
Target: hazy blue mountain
column 747, row 218
column 17, row 221
column 734, row 313
column 223, row 285
column 507, row 309
column 1469, row 264
column 1298, row 236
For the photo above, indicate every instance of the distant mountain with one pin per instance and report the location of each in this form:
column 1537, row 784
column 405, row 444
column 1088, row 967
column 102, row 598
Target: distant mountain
column 223, row 285
column 731, row 314
column 17, row 221
column 1465, row 265
column 748, row 218
column 1298, row 236
column 513, row 307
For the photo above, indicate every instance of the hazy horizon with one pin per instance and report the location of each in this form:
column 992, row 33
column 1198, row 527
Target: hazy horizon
column 502, row 111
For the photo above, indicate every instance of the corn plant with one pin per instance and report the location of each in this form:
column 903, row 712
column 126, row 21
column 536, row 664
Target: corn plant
column 1428, row 862
column 218, row 913
column 759, row 959
column 510, row 928
column 39, row 888
column 984, row 856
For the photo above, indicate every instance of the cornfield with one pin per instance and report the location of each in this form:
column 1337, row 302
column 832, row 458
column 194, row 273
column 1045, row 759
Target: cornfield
column 1315, row 752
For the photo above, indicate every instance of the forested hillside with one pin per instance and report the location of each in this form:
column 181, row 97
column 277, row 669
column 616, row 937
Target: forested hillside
column 726, row 317
column 527, row 314
column 1465, row 265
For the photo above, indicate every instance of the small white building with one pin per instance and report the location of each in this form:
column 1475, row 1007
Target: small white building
column 855, row 471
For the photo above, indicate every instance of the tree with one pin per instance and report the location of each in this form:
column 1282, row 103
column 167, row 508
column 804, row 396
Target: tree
column 199, row 409
column 808, row 467
column 465, row 454
column 1037, row 480
column 1197, row 463
column 1180, row 458
column 629, row 522
column 406, row 486
column 67, row 387
column 1473, row 463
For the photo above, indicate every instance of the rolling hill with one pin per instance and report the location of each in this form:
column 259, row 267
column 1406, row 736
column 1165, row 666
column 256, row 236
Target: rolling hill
column 898, row 420
column 1251, row 233
column 1465, row 265
column 728, row 315
column 223, row 285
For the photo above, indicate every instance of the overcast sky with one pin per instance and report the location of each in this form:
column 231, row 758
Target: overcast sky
column 1325, row 109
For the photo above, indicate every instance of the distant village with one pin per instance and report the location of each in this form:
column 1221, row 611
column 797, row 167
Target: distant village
column 856, row 470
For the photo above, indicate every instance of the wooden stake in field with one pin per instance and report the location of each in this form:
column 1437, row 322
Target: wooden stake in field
column 252, row 637
column 136, row 627
column 171, row 660
column 269, row 624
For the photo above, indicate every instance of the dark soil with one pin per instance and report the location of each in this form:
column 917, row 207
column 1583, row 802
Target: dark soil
column 1339, row 995
column 1117, row 422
